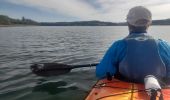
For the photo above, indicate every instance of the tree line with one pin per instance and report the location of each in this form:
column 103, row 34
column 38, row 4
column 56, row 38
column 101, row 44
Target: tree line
column 5, row 20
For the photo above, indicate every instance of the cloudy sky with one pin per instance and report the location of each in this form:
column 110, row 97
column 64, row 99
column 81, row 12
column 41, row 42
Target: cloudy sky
column 77, row 10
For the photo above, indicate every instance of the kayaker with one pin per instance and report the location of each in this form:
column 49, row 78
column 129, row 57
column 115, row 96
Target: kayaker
column 138, row 54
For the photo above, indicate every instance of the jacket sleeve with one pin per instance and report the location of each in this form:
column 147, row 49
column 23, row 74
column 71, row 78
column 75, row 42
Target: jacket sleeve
column 164, row 50
column 110, row 60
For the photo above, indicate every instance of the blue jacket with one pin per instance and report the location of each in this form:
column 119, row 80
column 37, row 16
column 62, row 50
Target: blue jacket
column 117, row 52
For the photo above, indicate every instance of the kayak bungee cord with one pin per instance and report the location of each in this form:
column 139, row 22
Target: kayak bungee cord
column 104, row 85
column 131, row 91
column 154, row 95
column 119, row 94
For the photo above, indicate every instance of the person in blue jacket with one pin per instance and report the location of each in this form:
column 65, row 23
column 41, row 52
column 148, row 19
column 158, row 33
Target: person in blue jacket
column 138, row 54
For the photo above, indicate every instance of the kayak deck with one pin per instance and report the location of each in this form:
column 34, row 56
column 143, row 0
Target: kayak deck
column 120, row 90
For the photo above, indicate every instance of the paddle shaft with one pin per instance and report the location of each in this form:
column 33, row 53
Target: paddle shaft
column 85, row 65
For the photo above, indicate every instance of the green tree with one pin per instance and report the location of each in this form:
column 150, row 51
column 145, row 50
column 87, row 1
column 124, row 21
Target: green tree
column 4, row 20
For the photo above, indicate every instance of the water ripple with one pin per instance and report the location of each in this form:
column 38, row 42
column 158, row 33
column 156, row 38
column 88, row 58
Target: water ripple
column 22, row 46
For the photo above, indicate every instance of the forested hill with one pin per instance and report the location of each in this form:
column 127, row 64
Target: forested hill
column 5, row 20
column 99, row 23
column 81, row 23
column 161, row 22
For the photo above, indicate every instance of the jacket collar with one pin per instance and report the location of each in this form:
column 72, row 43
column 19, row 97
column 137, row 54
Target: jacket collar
column 137, row 32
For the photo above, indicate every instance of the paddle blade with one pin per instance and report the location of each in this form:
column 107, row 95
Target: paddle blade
column 50, row 69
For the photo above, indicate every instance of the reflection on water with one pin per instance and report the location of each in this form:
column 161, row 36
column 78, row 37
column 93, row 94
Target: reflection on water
column 22, row 46
column 53, row 87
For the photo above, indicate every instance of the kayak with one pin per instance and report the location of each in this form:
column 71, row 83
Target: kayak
column 121, row 90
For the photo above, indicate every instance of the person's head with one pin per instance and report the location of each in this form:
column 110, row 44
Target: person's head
column 139, row 19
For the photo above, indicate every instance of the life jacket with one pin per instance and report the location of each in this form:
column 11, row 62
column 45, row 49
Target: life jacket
column 142, row 58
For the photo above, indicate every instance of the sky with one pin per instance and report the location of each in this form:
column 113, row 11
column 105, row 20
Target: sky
column 81, row 10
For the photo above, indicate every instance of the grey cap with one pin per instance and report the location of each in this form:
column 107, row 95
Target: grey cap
column 139, row 16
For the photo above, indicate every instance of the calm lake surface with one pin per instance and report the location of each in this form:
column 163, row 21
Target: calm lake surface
column 22, row 46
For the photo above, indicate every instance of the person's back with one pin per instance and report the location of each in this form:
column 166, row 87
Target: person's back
column 141, row 54
column 137, row 55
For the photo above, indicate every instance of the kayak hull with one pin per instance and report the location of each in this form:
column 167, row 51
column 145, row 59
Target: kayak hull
column 120, row 90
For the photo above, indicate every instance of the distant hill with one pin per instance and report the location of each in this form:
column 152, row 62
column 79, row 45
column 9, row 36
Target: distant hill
column 5, row 20
column 79, row 23
column 161, row 22
column 99, row 23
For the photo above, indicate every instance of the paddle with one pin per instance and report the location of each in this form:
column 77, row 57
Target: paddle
column 54, row 69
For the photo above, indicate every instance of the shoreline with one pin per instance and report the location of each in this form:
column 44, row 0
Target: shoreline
column 17, row 25
column 66, row 25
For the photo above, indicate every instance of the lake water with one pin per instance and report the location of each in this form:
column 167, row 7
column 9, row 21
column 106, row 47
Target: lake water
column 22, row 46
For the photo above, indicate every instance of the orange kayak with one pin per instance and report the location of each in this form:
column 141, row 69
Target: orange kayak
column 120, row 90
